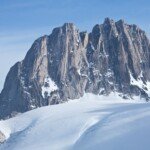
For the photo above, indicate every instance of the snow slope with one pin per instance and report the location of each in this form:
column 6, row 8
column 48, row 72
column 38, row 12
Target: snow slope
column 90, row 123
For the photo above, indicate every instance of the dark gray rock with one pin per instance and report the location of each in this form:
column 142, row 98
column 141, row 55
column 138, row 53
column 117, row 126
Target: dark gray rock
column 2, row 137
column 114, row 57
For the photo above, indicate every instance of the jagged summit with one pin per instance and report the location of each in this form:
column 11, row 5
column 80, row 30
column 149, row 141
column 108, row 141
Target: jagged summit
column 69, row 25
column 114, row 57
column 64, row 27
column 108, row 20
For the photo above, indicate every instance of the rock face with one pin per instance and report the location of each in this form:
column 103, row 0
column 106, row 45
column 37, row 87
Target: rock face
column 2, row 137
column 114, row 57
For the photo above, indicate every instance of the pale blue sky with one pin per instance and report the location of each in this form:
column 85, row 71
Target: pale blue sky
column 22, row 21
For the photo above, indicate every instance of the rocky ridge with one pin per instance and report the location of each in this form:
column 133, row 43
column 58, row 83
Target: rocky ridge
column 114, row 57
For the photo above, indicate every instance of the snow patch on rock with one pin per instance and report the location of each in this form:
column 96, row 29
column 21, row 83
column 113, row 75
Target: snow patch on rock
column 48, row 87
column 140, row 84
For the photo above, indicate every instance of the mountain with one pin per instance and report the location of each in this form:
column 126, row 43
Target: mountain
column 114, row 57
column 91, row 123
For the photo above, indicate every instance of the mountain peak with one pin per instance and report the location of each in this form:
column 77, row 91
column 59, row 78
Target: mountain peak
column 68, row 63
column 108, row 20
column 67, row 24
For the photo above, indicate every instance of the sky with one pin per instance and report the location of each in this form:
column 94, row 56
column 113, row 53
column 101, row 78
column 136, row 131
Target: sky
column 23, row 21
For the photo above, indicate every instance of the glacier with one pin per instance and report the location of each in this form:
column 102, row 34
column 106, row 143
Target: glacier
column 89, row 123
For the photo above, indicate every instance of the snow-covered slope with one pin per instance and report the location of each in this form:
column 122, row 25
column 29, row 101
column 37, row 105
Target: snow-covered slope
column 90, row 123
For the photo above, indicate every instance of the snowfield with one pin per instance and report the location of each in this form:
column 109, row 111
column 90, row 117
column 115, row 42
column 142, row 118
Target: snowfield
column 89, row 123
